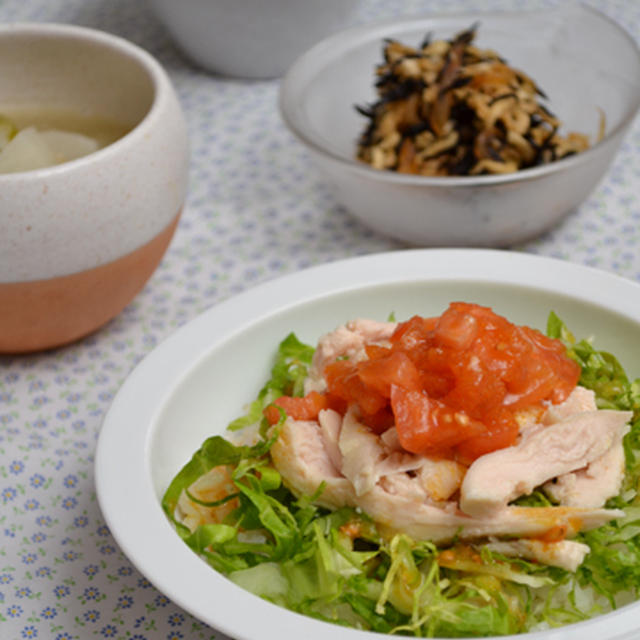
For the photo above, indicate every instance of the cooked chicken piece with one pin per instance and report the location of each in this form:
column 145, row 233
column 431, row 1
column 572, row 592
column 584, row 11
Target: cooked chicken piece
column 390, row 440
column 361, row 451
column 579, row 400
column 401, row 484
column 400, row 502
column 566, row 554
column 593, row 486
column 495, row 479
column 366, row 460
column 531, row 421
column 372, row 331
column 396, row 509
column 394, row 457
column 441, row 478
column 210, row 487
column 330, row 423
column 602, row 478
column 191, row 514
column 347, row 340
column 399, row 462
column 299, row 454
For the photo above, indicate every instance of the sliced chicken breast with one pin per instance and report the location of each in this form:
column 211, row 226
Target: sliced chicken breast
column 405, row 512
column 593, row 486
column 495, row 479
column 602, row 478
column 330, row 423
column 566, row 554
column 299, row 454
column 579, row 400
column 361, row 451
column 400, row 502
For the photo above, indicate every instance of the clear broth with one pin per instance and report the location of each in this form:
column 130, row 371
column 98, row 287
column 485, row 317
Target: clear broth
column 103, row 130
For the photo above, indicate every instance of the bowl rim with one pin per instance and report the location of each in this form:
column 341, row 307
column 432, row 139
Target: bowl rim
column 294, row 82
column 160, row 87
column 135, row 411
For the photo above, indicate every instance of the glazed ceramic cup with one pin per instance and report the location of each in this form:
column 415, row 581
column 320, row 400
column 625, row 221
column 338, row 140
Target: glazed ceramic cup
column 79, row 240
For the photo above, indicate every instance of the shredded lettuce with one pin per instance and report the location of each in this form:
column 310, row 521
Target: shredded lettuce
column 336, row 566
column 287, row 378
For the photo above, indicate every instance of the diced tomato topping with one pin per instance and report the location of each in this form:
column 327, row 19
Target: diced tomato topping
column 344, row 382
column 455, row 330
column 425, row 425
column 451, row 385
column 412, row 333
column 375, row 351
column 501, row 431
column 379, row 421
column 298, row 408
column 394, row 369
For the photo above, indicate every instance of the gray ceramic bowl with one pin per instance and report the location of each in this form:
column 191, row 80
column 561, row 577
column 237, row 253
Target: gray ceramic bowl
column 554, row 47
column 250, row 38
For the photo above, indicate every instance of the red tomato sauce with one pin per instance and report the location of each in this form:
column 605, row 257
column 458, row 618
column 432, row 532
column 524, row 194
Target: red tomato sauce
column 452, row 385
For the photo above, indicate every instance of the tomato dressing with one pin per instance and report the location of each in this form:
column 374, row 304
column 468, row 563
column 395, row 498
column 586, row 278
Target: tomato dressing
column 451, row 385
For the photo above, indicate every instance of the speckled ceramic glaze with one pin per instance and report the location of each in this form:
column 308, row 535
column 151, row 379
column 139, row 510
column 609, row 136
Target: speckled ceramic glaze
column 79, row 240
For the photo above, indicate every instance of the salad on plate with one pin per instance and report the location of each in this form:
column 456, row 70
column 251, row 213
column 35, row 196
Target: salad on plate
column 448, row 476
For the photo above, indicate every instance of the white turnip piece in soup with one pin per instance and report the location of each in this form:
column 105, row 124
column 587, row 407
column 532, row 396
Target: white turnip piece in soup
column 36, row 137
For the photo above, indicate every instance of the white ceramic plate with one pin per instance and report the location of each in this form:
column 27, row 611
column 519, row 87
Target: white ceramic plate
column 200, row 378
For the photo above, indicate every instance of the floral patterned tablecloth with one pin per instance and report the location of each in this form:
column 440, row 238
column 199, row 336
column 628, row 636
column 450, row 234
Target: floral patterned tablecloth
column 255, row 210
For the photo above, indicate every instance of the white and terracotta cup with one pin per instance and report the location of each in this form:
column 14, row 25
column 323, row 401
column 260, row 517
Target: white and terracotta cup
column 79, row 240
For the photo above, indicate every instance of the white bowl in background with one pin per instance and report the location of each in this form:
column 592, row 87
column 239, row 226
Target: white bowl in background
column 80, row 239
column 554, row 47
column 199, row 379
column 256, row 39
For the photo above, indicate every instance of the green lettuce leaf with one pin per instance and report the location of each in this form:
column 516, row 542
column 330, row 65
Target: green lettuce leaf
column 287, row 378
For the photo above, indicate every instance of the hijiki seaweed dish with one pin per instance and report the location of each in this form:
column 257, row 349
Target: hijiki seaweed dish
column 448, row 108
